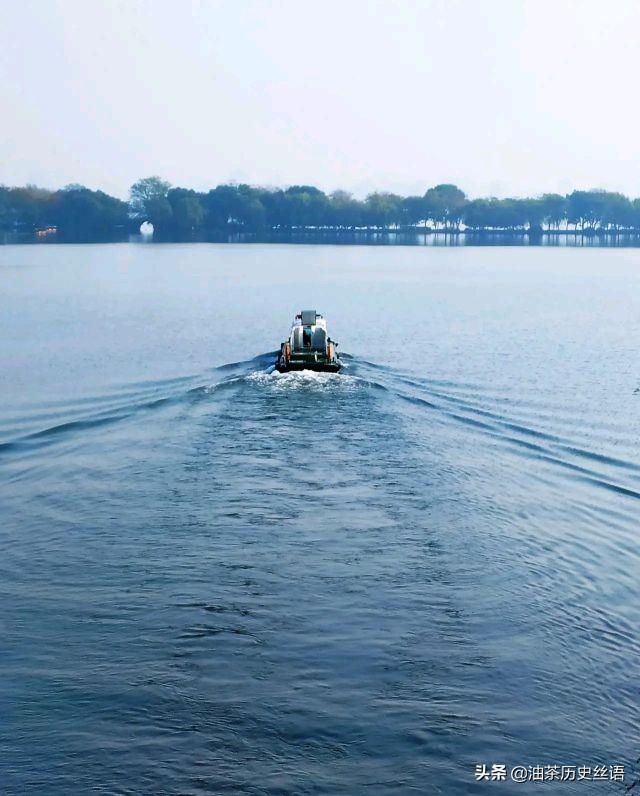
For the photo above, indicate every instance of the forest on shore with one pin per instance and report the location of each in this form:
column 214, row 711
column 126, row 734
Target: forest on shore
column 78, row 213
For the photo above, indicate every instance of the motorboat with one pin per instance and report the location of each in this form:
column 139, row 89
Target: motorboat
column 309, row 346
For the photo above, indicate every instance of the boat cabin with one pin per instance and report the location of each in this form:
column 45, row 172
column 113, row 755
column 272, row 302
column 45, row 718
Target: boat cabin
column 309, row 345
column 308, row 332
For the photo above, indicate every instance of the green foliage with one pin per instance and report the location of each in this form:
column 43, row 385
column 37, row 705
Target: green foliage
column 599, row 209
column 149, row 203
column 6, row 209
column 229, row 207
column 382, row 209
column 584, row 208
column 30, row 207
column 187, row 212
column 413, row 210
column 617, row 211
column 554, row 209
column 305, row 207
column 511, row 214
column 343, row 211
column 83, row 214
column 444, row 204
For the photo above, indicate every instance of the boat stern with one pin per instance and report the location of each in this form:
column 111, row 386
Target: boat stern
column 308, row 347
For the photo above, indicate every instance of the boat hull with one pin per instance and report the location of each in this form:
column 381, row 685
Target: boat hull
column 320, row 366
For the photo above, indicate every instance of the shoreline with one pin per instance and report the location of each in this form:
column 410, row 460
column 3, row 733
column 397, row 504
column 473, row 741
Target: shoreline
column 407, row 236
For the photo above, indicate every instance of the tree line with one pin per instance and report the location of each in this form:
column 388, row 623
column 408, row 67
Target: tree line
column 79, row 213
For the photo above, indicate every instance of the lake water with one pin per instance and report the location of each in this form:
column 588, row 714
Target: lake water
column 215, row 579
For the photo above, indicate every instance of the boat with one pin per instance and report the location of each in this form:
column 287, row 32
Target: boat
column 309, row 347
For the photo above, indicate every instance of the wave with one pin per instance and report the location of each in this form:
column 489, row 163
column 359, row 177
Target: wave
column 302, row 380
column 463, row 403
column 75, row 416
column 88, row 412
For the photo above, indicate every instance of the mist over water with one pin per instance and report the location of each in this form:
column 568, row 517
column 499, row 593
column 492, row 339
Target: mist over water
column 220, row 579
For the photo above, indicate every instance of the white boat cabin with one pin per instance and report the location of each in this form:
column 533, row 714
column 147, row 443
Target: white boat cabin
column 308, row 332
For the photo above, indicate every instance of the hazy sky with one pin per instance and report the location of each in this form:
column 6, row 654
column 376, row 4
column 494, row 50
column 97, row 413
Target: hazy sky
column 503, row 97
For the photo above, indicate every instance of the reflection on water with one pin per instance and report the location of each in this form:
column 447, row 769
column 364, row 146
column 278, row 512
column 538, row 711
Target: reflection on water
column 364, row 238
column 443, row 239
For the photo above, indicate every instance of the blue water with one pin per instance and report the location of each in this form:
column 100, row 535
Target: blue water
column 217, row 579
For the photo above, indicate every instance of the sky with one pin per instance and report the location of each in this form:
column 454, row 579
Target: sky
column 501, row 97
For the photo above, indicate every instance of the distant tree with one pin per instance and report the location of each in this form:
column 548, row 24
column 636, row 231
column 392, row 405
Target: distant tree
column 149, row 202
column 82, row 214
column 306, row 206
column 6, row 209
column 304, row 189
column 234, row 207
column 617, row 211
column 276, row 208
column 554, row 209
column 510, row 213
column 344, row 211
column 477, row 214
column 413, row 210
column 186, row 210
column 444, row 204
column 533, row 211
column 220, row 206
column 31, row 207
column 586, row 209
column 250, row 212
column 382, row 209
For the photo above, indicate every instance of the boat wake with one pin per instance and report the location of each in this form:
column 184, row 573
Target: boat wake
column 303, row 380
column 525, row 429
column 372, row 521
